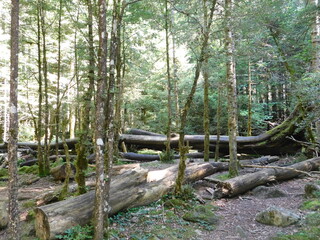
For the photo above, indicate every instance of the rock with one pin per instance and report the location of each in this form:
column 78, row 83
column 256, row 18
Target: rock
column 241, row 232
column 277, row 216
column 311, row 190
column 268, row 192
column 201, row 213
column 4, row 218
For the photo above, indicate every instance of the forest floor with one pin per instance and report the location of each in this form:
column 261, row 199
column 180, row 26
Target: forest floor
column 161, row 220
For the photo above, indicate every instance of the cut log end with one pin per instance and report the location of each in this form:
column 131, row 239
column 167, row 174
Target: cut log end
column 41, row 224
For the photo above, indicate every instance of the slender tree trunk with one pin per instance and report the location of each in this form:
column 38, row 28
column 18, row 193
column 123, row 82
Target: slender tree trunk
column 65, row 187
column 169, row 87
column 40, row 98
column 182, row 147
column 85, row 135
column 57, row 110
column 46, row 93
column 120, row 71
column 13, row 125
column 249, row 129
column 6, row 121
column 175, row 67
column 100, row 209
column 217, row 148
column 232, row 90
column 205, row 71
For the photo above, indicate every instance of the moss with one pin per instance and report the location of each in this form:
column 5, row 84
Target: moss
column 29, row 170
column 31, row 215
column 201, row 214
column 29, row 204
column 149, row 151
column 312, row 205
column 223, row 177
column 306, row 234
column 313, row 219
column 4, row 172
column 175, row 202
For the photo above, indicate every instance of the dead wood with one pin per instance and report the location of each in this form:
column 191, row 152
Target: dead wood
column 59, row 173
column 135, row 187
column 244, row 183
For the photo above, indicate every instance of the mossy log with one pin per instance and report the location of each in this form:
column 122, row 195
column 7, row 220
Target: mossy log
column 135, row 187
column 244, row 183
column 274, row 141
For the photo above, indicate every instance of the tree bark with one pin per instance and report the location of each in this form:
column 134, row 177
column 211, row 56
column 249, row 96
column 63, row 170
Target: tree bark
column 13, row 210
column 232, row 90
column 100, row 206
column 244, row 183
column 133, row 188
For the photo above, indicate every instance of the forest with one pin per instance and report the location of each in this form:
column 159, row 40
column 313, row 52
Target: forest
column 159, row 119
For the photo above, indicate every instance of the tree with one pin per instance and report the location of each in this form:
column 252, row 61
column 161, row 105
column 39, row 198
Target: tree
column 183, row 149
column 85, row 135
column 100, row 205
column 13, row 125
column 232, row 89
column 169, row 84
column 205, row 71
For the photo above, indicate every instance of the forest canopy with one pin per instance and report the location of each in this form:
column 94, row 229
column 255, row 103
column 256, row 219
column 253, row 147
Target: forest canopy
column 272, row 44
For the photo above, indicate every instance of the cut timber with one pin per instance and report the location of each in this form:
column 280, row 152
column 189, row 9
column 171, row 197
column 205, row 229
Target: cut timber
column 134, row 187
column 244, row 183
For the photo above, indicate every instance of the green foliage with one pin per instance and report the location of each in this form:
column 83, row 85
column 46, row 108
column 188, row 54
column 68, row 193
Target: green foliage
column 4, row 172
column 29, row 204
column 148, row 151
column 166, row 157
column 308, row 234
column 29, row 170
column 313, row 205
column 57, row 163
column 77, row 233
column 223, row 177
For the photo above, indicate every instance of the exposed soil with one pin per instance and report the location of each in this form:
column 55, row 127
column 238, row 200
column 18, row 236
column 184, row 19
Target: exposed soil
column 237, row 215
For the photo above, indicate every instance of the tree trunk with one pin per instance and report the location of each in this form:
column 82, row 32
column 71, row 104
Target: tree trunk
column 133, row 188
column 205, row 72
column 39, row 125
column 85, row 134
column 183, row 149
column 169, row 84
column 13, row 210
column 100, row 206
column 244, row 183
column 217, row 146
column 232, row 90
column 46, row 148
column 249, row 128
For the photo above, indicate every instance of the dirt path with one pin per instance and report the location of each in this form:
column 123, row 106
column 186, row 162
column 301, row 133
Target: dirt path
column 238, row 213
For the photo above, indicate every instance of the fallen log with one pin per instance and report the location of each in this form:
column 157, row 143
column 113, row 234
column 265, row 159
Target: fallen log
column 264, row 160
column 149, row 157
column 135, row 187
column 274, row 141
column 244, row 183
column 135, row 131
